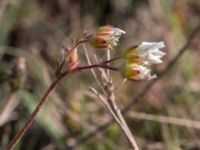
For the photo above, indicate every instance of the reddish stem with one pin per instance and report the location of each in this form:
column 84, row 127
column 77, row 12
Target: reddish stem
column 45, row 98
column 111, row 60
column 33, row 115
column 96, row 66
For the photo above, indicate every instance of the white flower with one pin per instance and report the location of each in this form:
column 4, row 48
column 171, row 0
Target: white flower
column 149, row 51
column 136, row 72
column 140, row 58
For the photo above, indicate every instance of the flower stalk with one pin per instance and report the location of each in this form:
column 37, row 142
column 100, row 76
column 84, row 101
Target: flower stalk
column 44, row 99
column 138, row 60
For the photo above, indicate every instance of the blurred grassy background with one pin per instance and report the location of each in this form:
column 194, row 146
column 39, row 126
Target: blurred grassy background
column 31, row 34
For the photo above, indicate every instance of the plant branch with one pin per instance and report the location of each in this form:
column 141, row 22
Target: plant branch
column 122, row 123
column 30, row 120
column 33, row 115
column 96, row 66
column 104, row 101
column 116, row 114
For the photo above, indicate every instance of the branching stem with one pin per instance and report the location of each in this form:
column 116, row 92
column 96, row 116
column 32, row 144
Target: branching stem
column 45, row 98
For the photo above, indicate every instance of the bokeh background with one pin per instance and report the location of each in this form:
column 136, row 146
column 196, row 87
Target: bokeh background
column 31, row 35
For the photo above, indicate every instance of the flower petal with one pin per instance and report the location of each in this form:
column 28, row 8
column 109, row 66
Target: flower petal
column 118, row 32
column 151, row 45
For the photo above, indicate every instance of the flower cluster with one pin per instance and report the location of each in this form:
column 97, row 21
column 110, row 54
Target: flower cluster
column 140, row 58
column 106, row 37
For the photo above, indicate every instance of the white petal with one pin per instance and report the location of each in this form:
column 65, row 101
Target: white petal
column 151, row 45
column 145, row 72
column 152, row 77
column 149, row 51
column 157, row 53
column 118, row 32
column 153, row 59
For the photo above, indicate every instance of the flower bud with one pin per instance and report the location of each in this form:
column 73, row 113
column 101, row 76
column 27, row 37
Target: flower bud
column 136, row 72
column 106, row 37
column 140, row 58
column 73, row 59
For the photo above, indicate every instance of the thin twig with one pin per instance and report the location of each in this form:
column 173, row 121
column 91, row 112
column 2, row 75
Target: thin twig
column 104, row 101
column 116, row 110
column 108, row 58
column 92, row 70
column 96, row 66
column 120, row 84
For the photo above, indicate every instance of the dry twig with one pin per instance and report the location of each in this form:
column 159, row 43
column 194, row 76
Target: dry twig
column 110, row 104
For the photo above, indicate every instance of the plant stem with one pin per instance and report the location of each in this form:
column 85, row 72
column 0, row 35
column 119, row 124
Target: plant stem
column 119, row 117
column 33, row 115
column 45, row 98
column 96, row 66
column 127, row 130
column 111, row 60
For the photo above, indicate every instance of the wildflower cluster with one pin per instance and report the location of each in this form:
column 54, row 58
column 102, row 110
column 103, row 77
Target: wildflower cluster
column 137, row 59
column 137, row 63
column 140, row 58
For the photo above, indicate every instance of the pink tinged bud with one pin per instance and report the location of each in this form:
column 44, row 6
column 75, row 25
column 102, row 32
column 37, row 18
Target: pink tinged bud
column 109, row 30
column 73, row 59
column 106, row 37
column 100, row 42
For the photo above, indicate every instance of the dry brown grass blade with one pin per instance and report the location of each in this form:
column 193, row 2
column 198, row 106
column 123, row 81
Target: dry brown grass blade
column 8, row 112
column 165, row 119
